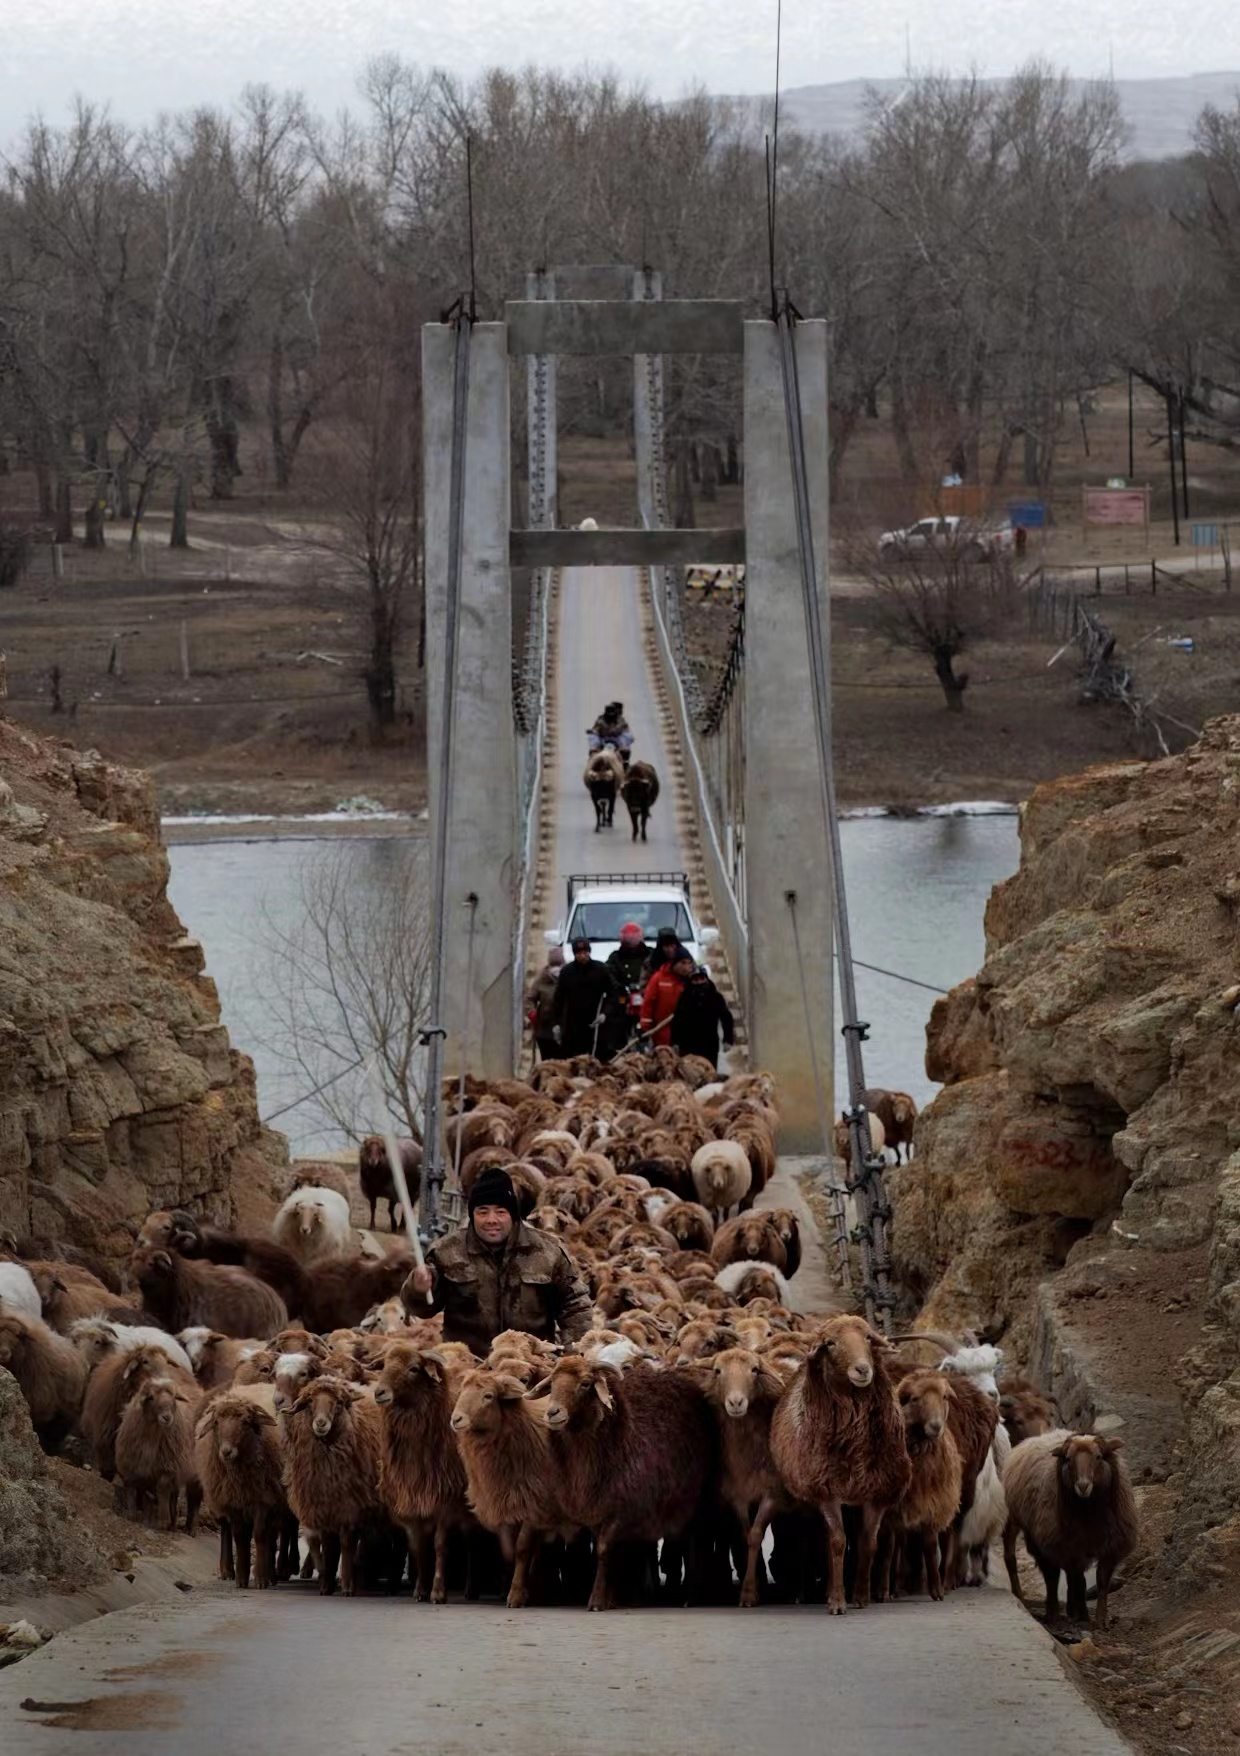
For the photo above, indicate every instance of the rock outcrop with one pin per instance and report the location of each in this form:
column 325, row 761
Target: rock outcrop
column 119, row 1089
column 39, row 1541
column 1089, row 1125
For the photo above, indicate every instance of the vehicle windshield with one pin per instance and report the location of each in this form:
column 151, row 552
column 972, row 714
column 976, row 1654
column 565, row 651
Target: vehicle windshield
column 603, row 920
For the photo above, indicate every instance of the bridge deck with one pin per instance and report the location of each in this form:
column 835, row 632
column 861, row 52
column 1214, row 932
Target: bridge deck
column 600, row 658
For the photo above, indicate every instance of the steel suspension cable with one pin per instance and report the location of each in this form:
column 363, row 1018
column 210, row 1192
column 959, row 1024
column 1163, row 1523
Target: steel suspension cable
column 434, row 1034
column 865, row 1179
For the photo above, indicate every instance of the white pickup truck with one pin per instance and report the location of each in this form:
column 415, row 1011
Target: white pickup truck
column 985, row 540
column 599, row 903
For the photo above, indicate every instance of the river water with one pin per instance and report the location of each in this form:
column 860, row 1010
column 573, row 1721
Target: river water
column 917, row 890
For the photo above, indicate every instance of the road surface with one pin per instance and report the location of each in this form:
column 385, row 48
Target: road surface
column 600, row 658
column 257, row 1674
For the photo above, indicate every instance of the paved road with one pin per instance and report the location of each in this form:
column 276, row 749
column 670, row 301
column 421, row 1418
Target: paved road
column 255, row 1675
column 600, row 658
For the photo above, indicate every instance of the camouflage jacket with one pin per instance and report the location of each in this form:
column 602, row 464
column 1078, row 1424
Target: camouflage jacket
column 534, row 1285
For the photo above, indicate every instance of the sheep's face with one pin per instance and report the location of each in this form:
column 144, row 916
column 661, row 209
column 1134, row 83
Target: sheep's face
column 236, row 1425
column 373, row 1153
column 310, row 1220
column 847, row 1350
column 407, row 1370
column 1085, row 1464
column 579, row 1391
column 158, row 1401
column 94, row 1344
column 293, row 1372
column 479, row 1406
column 325, row 1404
column 923, row 1399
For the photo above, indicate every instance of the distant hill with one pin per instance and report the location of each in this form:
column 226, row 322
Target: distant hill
column 1160, row 113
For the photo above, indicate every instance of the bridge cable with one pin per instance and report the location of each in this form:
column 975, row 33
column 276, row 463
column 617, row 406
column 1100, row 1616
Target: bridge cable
column 865, row 1173
column 434, row 1034
column 839, row 1218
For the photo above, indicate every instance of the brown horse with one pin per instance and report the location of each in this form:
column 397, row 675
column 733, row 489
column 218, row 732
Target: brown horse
column 639, row 791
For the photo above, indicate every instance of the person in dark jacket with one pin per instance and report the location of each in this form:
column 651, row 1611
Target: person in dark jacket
column 701, row 1013
column 583, row 993
column 541, row 1003
column 497, row 1273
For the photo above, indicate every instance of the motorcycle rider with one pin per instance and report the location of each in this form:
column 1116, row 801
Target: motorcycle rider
column 611, row 727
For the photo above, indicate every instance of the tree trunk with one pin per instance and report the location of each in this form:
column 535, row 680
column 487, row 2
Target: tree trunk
column 275, row 410
column 179, row 538
column 734, row 462
column 843, row 426
column 953, row 686
column 903, row 434
column 686, row 519
column 710, row 472
column 43, row 484
column 381, row 669
column 64, row 509
column 1003, row 456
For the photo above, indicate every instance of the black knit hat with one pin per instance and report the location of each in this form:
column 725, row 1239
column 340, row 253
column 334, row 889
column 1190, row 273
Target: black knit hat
column 494, row 1189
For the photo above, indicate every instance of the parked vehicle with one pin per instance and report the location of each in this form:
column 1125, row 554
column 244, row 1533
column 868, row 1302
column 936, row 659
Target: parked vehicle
column 599, row 903
column 977, row 538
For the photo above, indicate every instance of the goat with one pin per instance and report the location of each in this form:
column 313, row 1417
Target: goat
column 1070, row 1497
column 184, row 1294
column 837, row 1438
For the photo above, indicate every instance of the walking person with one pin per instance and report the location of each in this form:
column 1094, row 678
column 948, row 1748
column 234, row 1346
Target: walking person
column 497, row 1273
column 666, row 943
column 662, row 996
column 578, row 1010
column 541, row 1003
column 701, row 1015
column 627, row 968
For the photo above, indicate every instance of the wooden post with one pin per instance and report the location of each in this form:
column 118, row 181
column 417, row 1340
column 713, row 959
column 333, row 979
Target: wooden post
column 184, row 650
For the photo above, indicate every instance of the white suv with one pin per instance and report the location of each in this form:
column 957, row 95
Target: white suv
column 599, row 904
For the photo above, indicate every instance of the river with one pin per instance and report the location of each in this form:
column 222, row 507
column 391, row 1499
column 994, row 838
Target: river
column 917, row 890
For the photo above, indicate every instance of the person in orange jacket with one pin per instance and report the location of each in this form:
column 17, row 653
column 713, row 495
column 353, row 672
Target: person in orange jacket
column 663, row 990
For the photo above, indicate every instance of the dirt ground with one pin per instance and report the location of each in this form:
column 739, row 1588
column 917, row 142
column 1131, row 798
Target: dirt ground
column 271, row 716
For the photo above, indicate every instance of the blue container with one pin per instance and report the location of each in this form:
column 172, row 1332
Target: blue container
column 1029, row 514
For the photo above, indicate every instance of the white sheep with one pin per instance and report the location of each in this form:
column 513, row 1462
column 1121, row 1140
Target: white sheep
column 313, row 1224
column 732, row 1277
column 980, row 1361
column 983, row 1523
column 97, row 1337
column 18, row 1291
column 721, row 1175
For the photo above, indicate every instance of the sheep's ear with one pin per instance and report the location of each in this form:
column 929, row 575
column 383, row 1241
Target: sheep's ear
column 130, row 1368
column 1060, row 1450
column 1109, row 1446
column 539, row 1389
column 433, row 1366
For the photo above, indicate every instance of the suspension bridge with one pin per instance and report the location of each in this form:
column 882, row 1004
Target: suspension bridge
column 748, row 811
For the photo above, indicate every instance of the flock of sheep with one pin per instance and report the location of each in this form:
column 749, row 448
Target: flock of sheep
column 288, row 1385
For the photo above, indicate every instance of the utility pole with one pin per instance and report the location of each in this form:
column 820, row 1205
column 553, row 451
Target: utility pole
column 1132, row 466
column 1175, row 503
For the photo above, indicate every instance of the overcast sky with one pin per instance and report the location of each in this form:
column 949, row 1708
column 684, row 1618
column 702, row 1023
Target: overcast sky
column 141, row 56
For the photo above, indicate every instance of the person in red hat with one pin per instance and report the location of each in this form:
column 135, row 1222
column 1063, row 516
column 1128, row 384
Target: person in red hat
column 627, row 968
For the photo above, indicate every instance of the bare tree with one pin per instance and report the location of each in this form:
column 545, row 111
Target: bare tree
column 350, row 987
column 938, row 601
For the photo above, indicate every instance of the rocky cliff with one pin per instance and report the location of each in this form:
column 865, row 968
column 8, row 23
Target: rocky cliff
column 1077, row 1184
column 119, row 1090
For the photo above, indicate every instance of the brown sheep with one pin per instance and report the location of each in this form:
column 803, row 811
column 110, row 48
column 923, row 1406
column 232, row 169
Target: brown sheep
column 216, row 1357
column 635, row 1453
column 788, row 1228
column 928, row 1505
column 690, row 1224
column 339, row 1293
column 1070, row 1497
column 332, row 1448
column 155, row 1450
column 505, row 1448
column 897, row 1112
column 240, row 1463
column 112, row 1383
column 421, row 1476
column 264, row 1259
column 1024, row 1411
column 375, row 1174
column 183, row 1294
column 842, row 1138
column 751, row 1237
column 484, row 1158
column 494, row 1125
column 50, row 1373
column 744, row 1390
column 837, row 1438
column 68, row 1294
